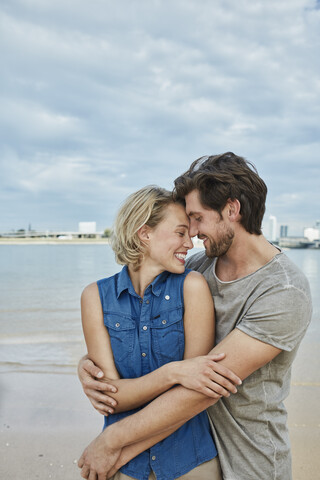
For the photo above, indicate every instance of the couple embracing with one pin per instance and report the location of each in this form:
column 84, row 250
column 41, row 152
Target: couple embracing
column 190, row 361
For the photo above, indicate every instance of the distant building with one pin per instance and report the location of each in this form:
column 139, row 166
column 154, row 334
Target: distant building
column 283, row 231
column 272, row 228
column 311, row 233
column 295, row 242
column 87, row 228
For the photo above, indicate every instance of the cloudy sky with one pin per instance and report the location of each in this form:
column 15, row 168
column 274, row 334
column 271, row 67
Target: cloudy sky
column 99, row 98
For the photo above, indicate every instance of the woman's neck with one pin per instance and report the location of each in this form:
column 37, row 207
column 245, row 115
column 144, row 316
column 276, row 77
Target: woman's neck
column 143, row 277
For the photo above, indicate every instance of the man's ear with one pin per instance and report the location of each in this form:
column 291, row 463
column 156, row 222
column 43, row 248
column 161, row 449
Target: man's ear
column 144, row 233
column 233, row 208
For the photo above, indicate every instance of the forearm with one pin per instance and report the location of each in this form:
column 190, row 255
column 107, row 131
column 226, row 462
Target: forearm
column 134, row 392
column 244, row 355
column 161, row 417
column 131, row 451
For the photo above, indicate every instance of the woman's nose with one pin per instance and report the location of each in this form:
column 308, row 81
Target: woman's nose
column 188, row 243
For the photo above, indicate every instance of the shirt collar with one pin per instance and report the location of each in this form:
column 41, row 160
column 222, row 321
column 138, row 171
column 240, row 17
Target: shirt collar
column 124, row 283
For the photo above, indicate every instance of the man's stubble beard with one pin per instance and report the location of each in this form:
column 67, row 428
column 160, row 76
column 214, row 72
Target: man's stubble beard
column 221, row 246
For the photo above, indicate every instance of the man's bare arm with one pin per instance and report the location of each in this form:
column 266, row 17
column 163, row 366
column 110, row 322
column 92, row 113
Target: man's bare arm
column 244, row 355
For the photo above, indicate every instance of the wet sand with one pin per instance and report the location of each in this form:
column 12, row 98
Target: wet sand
column 46, row 422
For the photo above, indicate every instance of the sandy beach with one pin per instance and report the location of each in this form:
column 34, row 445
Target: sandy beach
column 46, row 422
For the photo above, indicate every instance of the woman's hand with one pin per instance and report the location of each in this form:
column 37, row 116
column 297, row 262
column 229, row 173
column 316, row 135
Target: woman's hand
column 204, row 374
column 96, row 387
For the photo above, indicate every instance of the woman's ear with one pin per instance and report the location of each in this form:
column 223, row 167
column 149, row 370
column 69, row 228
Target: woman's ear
column 144, row 233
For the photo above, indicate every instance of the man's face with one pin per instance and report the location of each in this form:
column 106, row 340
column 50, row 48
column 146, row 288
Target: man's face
column 216, row 232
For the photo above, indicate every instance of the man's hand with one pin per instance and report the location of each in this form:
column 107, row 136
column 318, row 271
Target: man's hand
column 206, row 375
column 99, row 460
column 96, row 390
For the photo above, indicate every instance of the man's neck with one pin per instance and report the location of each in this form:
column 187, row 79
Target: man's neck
column 247, row 254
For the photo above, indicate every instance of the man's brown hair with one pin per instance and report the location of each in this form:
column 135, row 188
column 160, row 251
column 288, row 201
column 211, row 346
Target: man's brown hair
column 222, row 177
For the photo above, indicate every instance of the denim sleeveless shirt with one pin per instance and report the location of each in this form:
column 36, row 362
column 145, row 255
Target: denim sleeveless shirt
column 146, row 334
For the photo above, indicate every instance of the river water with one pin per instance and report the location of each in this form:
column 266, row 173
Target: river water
column 40, row 288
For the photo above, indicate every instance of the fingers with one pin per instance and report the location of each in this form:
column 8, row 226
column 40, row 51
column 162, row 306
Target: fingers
column 101, row 386
column 223, row 382
column 102, row 408
column 218, row 379
column 112, row 472
column 224, row 371
column 92, row 369
column 214, row 389
column 93, row 475
column 211, row 393
column 103, row 476
column 81, row 461
column 100, row 396
column 218, row 383
column 85, row 471
column 217, row 390
column 216, row 357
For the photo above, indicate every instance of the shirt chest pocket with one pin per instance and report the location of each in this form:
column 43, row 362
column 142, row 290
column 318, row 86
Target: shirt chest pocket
column 167, row 336
column 122, row 332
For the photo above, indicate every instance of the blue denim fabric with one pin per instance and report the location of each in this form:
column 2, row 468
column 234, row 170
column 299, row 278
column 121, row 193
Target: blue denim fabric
column 146, row 334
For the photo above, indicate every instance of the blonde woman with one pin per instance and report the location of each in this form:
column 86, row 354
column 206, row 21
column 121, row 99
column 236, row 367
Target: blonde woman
column 143, row 324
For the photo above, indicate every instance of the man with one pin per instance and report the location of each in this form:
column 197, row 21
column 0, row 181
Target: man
column 262, row 306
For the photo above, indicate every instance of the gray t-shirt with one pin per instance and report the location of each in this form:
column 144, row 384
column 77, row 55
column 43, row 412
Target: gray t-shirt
column 273, row 305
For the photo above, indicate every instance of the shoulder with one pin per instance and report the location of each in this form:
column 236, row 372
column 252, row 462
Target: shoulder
column 282, row 275
column 195, row 283
column 90, row 293
column 294, row 276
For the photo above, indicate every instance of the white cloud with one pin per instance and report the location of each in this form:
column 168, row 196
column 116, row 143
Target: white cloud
column 99, row 101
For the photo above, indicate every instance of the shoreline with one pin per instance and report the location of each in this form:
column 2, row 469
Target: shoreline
column 96, row 241
column 75, row 241
column 53, row 241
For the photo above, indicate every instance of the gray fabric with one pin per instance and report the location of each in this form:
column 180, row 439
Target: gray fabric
column 272, row 305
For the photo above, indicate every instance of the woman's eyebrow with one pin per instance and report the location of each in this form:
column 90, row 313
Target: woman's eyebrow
column 183, row 225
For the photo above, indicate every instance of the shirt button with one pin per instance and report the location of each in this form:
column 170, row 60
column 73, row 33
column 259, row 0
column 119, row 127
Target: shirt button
column 144, row 354
column 140, row 301
column 144, row 327
column 164, row 322
column 167, row 297
column 117, row 324
column 153, row 457
column 147, row 302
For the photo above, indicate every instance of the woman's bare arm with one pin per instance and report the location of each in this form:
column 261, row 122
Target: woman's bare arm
column 130, row 393
column 95, row 333
column 202, row 374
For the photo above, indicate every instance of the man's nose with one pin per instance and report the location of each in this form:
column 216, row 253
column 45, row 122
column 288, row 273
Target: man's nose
column 193, row 230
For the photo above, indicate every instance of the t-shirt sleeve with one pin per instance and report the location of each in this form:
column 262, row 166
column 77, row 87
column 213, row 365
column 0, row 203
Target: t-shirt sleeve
column 278, row 317
column 199, row 262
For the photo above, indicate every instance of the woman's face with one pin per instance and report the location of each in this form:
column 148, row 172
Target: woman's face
column 169, row 241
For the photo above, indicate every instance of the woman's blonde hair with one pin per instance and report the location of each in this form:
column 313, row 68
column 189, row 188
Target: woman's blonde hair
column 144, row 207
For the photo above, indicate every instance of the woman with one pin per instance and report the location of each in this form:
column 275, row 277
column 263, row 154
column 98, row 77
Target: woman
column 142, row 322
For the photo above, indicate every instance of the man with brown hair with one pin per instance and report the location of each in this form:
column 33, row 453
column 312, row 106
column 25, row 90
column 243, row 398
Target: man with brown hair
column 263, row 307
